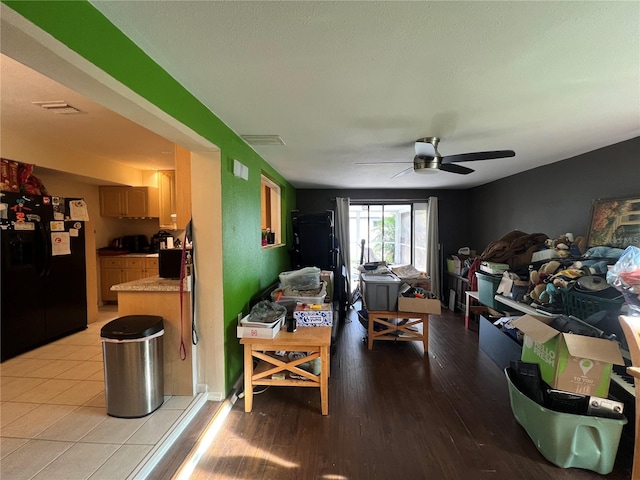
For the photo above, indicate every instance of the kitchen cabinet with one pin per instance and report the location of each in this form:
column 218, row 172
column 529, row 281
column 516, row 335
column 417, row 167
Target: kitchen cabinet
column 166, row 198
column 122, row 269
column 174, row 192
column 182, row 187
column 129, row 202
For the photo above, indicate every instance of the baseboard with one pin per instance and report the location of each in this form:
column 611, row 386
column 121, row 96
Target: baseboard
column 152, row 459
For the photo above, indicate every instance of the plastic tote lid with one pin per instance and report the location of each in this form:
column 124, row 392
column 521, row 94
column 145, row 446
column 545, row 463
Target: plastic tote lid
column 132, row 326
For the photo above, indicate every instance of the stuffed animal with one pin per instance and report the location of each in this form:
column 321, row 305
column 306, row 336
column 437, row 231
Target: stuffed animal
column 566, row 246
column 562, row 278
column 539, row 279
column 548, row 295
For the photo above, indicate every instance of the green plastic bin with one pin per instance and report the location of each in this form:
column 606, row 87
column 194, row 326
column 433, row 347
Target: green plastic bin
column 565, row 439
column 487, row 286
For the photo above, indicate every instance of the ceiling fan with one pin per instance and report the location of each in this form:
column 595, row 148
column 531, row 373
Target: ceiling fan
column 429, row 161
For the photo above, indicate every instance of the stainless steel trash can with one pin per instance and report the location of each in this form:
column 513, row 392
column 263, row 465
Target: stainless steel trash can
column 133, row 365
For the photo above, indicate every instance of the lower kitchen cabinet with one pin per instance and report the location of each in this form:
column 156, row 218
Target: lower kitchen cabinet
column 122, row 269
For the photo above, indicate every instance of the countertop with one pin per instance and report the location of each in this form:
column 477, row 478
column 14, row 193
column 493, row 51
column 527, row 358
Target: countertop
column 153, row 284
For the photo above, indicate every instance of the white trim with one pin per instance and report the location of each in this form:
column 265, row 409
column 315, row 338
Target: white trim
column 209, row 434
column 151, row 460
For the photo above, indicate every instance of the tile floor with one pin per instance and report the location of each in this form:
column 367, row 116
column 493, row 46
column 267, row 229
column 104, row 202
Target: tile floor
column 53, row 421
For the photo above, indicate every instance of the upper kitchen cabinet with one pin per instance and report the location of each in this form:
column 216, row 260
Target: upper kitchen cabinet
column 174, row 192
column 183, row 187
column 129, row 202
column 166, row 198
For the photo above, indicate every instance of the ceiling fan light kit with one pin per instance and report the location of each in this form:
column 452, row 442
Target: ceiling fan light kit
column 425, row 165
column 428, row 160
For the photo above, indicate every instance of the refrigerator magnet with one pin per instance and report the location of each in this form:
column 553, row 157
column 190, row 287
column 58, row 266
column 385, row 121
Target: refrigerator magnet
column 60, row 244
column 73, row 232
column 46, row 200
column 78, row 210
column 77, row 225
column 24, row 226
column 56, row 226
column 58, row 216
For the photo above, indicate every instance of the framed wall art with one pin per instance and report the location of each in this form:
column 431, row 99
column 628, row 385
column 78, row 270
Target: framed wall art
column 615, row 222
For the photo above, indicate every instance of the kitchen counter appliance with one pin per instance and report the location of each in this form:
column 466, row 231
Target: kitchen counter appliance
column 159, row 240
column 43, row 272
column 170, row 262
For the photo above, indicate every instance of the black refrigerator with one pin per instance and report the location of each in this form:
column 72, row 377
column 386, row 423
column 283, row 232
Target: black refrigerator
column 43, row 275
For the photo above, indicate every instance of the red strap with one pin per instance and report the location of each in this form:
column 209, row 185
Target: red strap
column 183, row 348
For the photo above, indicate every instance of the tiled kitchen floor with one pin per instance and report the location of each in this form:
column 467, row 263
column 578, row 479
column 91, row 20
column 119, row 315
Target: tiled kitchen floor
column 53, row 421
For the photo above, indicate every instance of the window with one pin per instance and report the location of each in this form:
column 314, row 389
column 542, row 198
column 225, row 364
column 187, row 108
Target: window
column 392, row 232
column 271, row 212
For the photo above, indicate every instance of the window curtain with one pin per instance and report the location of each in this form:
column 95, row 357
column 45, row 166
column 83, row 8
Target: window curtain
column 342, row 234
column 433, row 246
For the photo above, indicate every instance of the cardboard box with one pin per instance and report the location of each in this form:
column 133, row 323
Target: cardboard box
column 316, row 315
column 258, row 332
column 419, row 305
column 327, row 277
column 573, row 363
column 512, row 288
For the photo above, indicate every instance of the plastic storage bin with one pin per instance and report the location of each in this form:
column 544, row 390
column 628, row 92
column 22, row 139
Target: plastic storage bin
column 133, row 365
column 316, row 298
column 380, row 292
column 307, row 278
column 583, row 305
column 487, row 286
column 565, row 439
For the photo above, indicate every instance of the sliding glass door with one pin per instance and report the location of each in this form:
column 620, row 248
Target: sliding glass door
column 380, row 232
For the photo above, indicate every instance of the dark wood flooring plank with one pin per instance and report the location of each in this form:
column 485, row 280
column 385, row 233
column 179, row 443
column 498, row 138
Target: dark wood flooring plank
column 395, row 412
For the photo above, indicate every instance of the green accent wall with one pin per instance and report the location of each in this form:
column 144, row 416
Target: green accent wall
column 247, row 268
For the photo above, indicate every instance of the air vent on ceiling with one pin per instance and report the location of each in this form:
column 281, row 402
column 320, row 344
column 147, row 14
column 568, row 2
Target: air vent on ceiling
column 263, row 139
column 57, row 106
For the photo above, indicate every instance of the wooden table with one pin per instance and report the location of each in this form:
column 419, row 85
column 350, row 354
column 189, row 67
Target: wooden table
column 472, row 297
column 313, row 342
column 398, row 326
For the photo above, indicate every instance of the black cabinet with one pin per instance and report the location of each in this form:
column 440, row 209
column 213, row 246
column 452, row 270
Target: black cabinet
column 315, row 245
column 499, row 346
column 457, row 286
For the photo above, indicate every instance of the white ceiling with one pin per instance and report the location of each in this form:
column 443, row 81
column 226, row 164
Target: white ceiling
column 350, row 82
column 95, row 129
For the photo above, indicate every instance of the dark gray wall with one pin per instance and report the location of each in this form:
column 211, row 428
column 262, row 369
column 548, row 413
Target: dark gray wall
column 556, row 198
column 553, row 199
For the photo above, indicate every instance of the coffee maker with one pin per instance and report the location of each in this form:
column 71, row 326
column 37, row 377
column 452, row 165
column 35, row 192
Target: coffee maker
column 159, row 240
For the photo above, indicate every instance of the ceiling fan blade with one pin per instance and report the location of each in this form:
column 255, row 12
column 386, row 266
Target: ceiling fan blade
column 404, row 172
column 470, row 157
column 383, row 163
column 425, row 149
column 450, row 167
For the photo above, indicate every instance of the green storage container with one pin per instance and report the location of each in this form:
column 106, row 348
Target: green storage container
column 565, row 439
column 487, row 286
